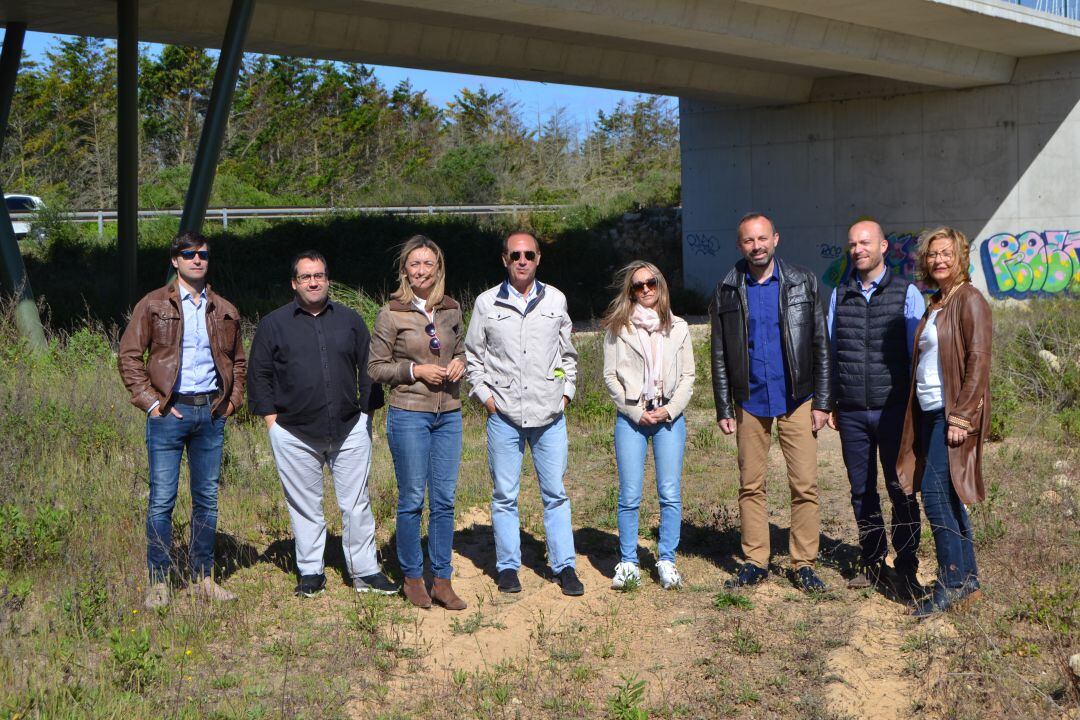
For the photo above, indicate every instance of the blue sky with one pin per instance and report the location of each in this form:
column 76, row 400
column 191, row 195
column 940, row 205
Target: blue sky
column 536, row 100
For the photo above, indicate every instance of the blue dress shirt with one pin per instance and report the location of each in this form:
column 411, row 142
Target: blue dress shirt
column 770, row 381
column 197, row 372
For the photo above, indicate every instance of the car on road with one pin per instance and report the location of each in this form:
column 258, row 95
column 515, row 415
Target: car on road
column 21, row 203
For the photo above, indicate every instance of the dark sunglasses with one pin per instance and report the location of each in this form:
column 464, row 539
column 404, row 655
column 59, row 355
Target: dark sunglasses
column 639, row 286
column 530, row 255
column 190, row 254
column 435, row 345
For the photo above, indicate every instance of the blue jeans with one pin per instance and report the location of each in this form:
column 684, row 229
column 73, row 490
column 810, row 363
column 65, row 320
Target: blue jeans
column 631, row 445
column 946, row 514
column 864, row 435
column 427, row 455
column 506, row 449
column 166, row 437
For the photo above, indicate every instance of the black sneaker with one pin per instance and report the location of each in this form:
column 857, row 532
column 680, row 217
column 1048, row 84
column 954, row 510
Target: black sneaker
column 870, row 575
column 377, row 583
column 748, row 575
column 808, row 581
column 310, row 585
column 568, row 578
column 508, row 581
column 907, row 586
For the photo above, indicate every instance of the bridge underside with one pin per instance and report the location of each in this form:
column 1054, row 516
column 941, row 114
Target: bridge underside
column 748, row 52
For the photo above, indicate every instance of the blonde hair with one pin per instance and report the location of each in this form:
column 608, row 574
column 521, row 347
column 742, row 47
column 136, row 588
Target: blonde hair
column 621, row 307
column 404, row 292
column 961, row 249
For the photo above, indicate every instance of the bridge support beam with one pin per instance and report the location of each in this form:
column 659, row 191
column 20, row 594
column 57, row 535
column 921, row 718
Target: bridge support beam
column 127, row 148
column 217, row 116
column 12, row 269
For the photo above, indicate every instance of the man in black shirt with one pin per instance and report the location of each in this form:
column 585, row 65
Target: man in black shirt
column 308, row 380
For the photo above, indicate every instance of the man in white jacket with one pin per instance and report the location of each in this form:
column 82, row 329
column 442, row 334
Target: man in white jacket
column 522, row 365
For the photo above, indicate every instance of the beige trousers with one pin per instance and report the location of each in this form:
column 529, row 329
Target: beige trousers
column 753, row 435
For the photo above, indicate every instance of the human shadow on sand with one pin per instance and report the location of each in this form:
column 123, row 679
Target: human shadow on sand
column 476, row 543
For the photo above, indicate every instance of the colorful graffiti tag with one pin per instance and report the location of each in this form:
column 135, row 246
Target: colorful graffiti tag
column 1047, row 263
column 900, row 259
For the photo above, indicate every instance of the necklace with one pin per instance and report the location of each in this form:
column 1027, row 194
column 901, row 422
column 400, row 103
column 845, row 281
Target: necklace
column 941, row 303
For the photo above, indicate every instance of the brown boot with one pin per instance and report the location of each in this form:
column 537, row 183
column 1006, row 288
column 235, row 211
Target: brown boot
column 416, row 592
column 443, row 593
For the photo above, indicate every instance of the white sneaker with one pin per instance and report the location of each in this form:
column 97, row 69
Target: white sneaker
column 625, row 573
column 669, row 575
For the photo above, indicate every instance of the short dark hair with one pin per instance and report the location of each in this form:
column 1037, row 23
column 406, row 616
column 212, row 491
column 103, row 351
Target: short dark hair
column 187, row 240
column 753, row 216
column 313, row 255
column 512, row 233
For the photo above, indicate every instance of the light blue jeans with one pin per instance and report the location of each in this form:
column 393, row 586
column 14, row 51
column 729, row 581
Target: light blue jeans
column 506, row 449
column 426, row 448
column 631, row 445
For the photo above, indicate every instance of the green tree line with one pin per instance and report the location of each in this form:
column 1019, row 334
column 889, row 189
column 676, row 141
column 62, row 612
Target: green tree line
column 322, row 133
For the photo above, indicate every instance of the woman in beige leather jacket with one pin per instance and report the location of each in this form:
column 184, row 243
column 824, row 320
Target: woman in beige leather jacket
column 418, row 349
column 649, row 373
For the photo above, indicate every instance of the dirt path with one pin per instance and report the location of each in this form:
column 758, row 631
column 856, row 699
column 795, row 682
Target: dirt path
column 679, row 642
column 875, row 684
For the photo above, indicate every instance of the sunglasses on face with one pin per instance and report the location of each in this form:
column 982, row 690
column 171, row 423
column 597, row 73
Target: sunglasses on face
column 190, row 254
column 530, row 255
column 308, row 277
column 639, row 286
column 434, row 344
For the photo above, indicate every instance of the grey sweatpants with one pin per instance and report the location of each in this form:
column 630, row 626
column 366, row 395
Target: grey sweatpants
column 300, row 469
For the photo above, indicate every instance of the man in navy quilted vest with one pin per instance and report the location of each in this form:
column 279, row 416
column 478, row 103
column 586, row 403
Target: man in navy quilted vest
column 872, row 320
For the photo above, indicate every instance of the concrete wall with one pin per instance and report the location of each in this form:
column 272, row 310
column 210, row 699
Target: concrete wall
column 1002, row 163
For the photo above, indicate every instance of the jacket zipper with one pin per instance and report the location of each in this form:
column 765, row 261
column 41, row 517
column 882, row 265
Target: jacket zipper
column 866, row 354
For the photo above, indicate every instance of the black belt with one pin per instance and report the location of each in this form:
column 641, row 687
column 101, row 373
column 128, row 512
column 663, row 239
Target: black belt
column 200, row 399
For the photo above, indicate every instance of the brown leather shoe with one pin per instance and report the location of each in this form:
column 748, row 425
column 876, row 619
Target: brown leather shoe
column 416, row 592
column 443, row 593
column 208, row 590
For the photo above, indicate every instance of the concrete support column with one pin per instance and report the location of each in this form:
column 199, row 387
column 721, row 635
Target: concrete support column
column 12, row 270
column 127, row 148
column 217, row 116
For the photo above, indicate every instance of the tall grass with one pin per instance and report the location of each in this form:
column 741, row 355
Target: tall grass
column 75, row 642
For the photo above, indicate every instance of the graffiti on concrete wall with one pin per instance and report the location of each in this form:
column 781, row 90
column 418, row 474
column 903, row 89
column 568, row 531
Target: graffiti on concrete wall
column 900, row 259
column 703, row 243
column 1032, row 262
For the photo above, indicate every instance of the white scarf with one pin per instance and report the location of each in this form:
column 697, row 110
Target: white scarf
column 647, row 322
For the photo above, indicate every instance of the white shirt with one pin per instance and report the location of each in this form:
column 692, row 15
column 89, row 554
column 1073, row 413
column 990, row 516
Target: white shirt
column 928, row 372
column 521, row 302
column 421, row 305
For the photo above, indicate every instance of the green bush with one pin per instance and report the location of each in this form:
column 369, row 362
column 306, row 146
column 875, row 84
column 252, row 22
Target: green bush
column 86, row 607
column 86, row 347
column 27, row 542
column 1036, row 365
column 135, row 664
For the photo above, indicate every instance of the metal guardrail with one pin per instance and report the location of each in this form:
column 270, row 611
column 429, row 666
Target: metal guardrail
column 224, row 215
column 1065, row 8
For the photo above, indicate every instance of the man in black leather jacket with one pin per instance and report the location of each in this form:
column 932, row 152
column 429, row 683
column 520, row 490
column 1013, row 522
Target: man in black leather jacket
column 771, row 360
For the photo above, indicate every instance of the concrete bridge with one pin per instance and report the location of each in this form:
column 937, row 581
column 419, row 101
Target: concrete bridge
column 817, row 112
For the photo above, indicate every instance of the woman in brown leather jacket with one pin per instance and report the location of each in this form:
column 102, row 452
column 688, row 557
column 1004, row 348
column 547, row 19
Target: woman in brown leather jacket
column 948, row 414
column 417, row 348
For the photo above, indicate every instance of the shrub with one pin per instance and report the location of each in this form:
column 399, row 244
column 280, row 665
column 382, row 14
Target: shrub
column 135, row 664
column 25, row 542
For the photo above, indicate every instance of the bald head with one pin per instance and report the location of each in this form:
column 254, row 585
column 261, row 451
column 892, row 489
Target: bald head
column 867, row 226
column 867, row 246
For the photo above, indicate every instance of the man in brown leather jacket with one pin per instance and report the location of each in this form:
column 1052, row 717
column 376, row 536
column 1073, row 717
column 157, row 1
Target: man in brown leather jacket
column 182, row 360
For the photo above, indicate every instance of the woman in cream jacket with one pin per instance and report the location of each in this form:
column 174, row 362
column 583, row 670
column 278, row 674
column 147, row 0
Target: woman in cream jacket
column 649, row 373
